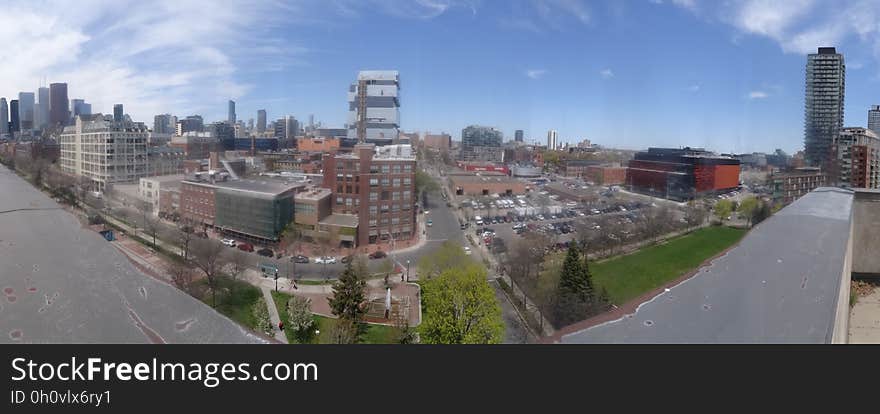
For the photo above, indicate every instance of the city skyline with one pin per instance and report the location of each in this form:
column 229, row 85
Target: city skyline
column 606, row 92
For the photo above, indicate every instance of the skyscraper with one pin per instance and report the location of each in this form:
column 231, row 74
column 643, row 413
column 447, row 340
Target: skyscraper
column 14, row 120
column 823, row 104
column 518, row 135
column 58, row 104
column 162, row 124
column 874, row 119
column 292, row 127
column 374, row 107
column 41, row 113
column 261, row 121
column 552, row 139
column 26, row 110
column 118, row 113
column 480, row 143
column 231, row 116
column 80, row 107
column 4, row 117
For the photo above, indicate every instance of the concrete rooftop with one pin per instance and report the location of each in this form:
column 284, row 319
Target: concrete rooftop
column 62, row 283
column 781, row 284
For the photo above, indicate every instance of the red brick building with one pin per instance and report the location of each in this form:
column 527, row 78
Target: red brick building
column 606, row 175
column 197, row 202
column 681, row 174
column 378, row 186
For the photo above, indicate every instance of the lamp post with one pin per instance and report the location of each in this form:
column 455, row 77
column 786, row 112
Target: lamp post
column 407, row 270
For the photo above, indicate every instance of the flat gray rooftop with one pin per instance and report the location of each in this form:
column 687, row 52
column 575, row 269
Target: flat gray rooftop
column 779, row 285
column 63, row 283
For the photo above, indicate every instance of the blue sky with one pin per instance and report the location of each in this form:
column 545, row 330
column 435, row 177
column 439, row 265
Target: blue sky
column 726, row 75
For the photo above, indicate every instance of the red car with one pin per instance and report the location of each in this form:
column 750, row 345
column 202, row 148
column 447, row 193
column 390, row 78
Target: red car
column 246, row 247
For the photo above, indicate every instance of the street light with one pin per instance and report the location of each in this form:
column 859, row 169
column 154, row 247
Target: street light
column 407, row 270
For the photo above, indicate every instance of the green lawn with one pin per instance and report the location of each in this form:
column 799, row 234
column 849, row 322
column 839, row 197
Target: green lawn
column 235, row 299
column 627, row 277
column 374, row 334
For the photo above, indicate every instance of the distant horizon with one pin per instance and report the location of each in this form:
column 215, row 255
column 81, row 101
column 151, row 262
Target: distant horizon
column 729, row 78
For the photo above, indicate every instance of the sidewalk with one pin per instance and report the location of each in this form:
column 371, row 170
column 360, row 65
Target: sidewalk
column 273, row 314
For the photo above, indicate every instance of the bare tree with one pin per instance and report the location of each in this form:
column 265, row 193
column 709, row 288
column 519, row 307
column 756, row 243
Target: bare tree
column 207, row 256
column 181, row 275
column 185, row 235
column 236, row 265
column 341, row 331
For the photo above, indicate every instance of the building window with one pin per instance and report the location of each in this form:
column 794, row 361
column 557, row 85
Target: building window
column 386, row 169
column 374, row 209
column 407, row 167
column 407, row 195
column 374, row 182
column 339, row 200
column 386, row 182
column 396, row 196
column 396, row 182
column 397, row 168
column 407, row 181
column 374, row 196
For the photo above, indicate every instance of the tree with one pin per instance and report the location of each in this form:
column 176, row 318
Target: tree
column 261, row 317
column 577, row 298
column 235, row 266
column 400, row 332
column 723, row 208
column 460, row 308
column 299, row 313
column 341, row 332
column 575, row 276
column 207, row 257
column 448, row 255
column 349, row 292
column 747, row 209
column 694, row 214
column 181, row 275
column 151, row 227
column 386, row 267
column 185, row 235
column 763, row 212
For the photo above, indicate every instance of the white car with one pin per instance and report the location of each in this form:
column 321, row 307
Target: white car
column 467, row 250
column 325, row 260
column 228, row 242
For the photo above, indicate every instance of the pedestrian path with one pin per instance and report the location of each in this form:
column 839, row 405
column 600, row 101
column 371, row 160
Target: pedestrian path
column 273, row 314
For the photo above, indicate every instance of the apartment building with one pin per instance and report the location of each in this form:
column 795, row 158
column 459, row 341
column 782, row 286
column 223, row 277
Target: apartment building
column 788, row 186
column 376, row 185
column 105, row 151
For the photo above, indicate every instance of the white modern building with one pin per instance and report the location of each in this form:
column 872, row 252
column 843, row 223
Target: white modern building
column 552, row 139
column 105, row 152
column 374, row 107
column 874, row 119
column 149, row 188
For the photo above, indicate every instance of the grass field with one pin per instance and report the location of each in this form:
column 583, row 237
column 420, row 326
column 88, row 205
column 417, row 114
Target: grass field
column 627, row 277
column 235, row 299
column 374, row 334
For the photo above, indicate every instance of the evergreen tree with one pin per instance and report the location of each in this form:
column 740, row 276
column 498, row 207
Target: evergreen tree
column 348, row 295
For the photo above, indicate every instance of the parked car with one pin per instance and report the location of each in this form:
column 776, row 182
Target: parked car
column 429, row 223
column 247, row 247
column 467, row 250
column 347, row 259
column 228, row 242
column 378, row 255
column 299, row 259
column 266, row 252
column 325, row 260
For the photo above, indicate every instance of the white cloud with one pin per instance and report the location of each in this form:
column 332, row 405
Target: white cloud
column 536, row 73
column 154, row 57
column 800, row 26
column 758, row 95
column 606, row 73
